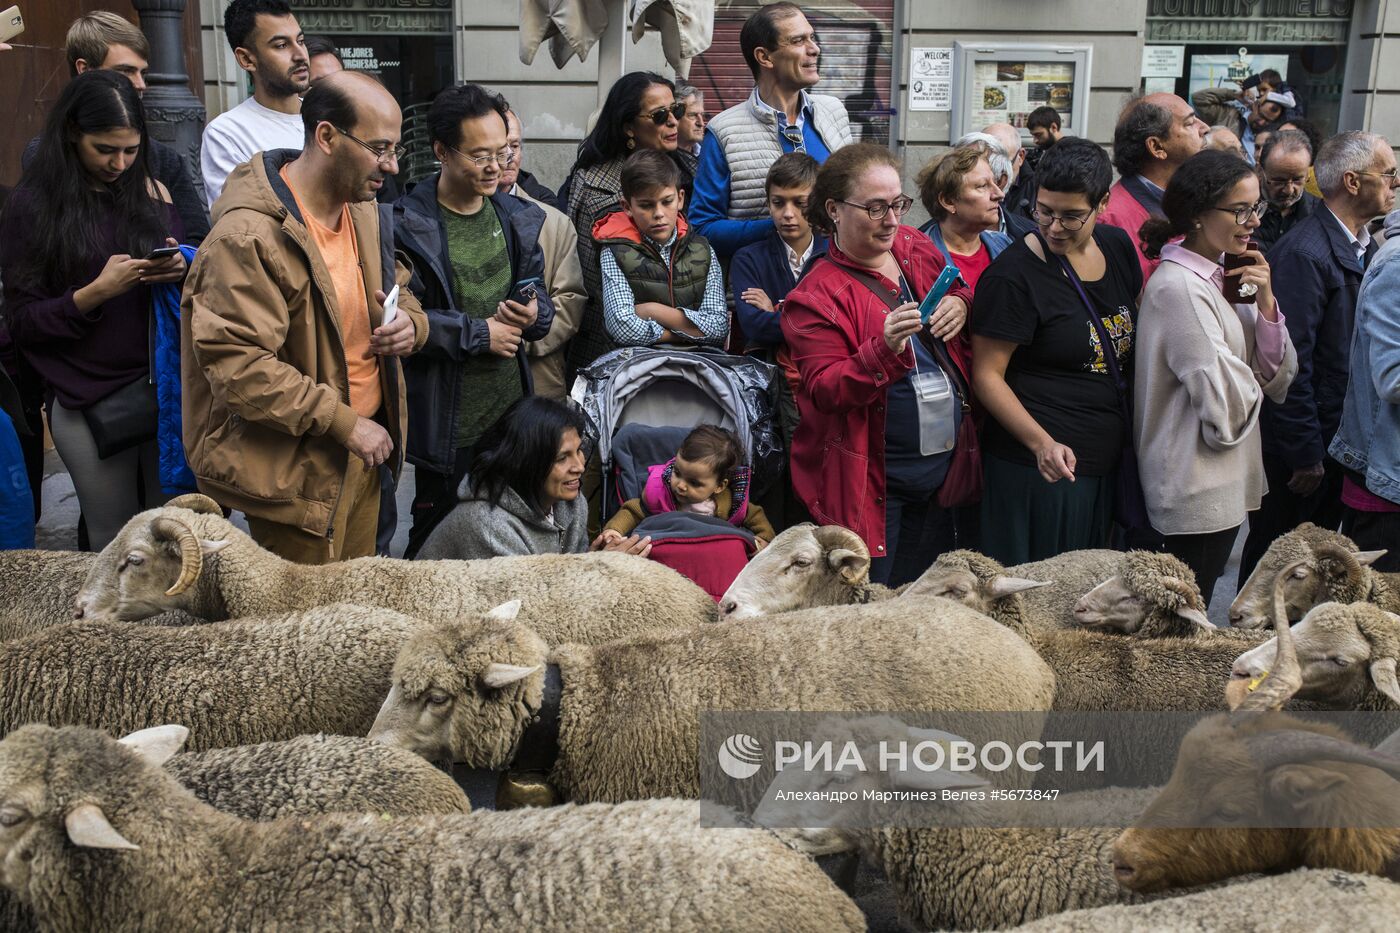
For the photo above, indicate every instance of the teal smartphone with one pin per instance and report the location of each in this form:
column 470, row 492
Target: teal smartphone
column 940, row 288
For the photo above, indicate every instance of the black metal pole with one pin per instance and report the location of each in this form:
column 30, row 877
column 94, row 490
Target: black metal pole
column 174, row 115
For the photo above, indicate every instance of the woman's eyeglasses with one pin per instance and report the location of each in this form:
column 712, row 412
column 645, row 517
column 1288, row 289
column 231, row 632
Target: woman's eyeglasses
column 662, row 115
column 1068, row 222
column 1242, row 214
column 878, row 209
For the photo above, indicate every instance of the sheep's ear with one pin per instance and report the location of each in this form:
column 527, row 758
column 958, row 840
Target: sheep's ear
column 1004, row 586
column 1195, row 616
column 1367, row 558
column 88, row 827
column 1383, row 676
column 851, row 566
column 940, row 779
column 500, row 675
column 1305, row 787
column 505, row 612
column 157, row 744
column 208, row 547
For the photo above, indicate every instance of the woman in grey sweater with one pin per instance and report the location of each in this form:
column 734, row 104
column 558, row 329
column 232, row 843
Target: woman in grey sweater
column 521, row 495
column 1204, row 364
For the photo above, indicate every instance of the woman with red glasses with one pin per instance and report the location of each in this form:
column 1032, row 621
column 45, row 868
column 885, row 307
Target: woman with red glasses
column 641, row 112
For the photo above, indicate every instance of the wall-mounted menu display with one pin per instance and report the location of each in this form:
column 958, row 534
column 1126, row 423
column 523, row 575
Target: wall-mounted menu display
column 1004, row 82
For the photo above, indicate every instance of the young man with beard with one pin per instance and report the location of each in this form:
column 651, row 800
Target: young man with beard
column 292, row 393
column 268, row 44
column 479, row 271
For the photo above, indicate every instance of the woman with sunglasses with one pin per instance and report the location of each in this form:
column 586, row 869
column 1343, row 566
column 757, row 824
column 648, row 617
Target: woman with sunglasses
column 1044, row 310
column 881, row 395
column 1205, row 364
column 641, row 112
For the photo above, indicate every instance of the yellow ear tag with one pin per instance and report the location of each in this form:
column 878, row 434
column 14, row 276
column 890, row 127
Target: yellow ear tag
column 1254, row 684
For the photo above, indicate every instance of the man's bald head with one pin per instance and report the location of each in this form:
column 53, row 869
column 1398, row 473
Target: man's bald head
column 1007, row 135
column 346, row 98
column 350, row 119
column 1156, row 133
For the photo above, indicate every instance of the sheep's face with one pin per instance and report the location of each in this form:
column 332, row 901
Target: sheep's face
column 150, row 567
column 802, row 568
column 23, row 808
column 1304, row 587
column 1334, row 655
column 464, row 693
column 1111, row 606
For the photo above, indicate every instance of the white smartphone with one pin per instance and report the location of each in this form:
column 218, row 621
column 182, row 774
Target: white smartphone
column 391, row 304
column 11, row 24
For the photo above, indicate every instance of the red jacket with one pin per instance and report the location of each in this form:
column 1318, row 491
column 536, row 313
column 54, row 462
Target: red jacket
column 1124, row 211
column 834, row 327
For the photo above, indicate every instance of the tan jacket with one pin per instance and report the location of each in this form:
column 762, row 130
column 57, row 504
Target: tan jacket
column 265, row 397
column 563, row 276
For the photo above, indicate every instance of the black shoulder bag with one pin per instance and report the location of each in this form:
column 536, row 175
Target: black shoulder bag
column 1129, row 506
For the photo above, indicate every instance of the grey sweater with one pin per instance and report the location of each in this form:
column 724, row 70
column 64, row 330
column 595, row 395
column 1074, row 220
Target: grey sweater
column 477, row 529
column 1198, row 390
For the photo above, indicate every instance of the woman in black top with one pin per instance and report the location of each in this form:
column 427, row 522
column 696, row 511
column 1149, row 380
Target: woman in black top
column 1057, row 431
column 78, row 284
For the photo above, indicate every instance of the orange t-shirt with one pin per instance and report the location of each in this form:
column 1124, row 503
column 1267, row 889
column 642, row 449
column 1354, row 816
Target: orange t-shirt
column 341, row 254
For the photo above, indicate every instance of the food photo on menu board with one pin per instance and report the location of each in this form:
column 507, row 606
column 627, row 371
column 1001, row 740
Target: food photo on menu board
column 1007, row 92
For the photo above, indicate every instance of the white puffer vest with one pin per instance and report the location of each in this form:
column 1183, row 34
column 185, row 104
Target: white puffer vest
column 748, row 134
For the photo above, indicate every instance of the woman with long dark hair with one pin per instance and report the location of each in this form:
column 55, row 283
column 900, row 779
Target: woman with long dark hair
column 77, row 270
column 1205, row 363
column 522, row 492
column 641, row 112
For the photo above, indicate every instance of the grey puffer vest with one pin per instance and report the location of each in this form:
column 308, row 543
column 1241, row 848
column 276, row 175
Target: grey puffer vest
column 748, row 134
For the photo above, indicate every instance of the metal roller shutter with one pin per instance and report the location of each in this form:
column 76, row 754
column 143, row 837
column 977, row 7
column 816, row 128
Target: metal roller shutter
column 857, row 42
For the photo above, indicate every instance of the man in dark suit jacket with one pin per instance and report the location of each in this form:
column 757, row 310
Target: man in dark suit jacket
column 1317, row 269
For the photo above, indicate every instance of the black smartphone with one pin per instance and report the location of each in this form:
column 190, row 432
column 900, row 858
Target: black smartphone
column 526, row 291
column 1231, row 286
column 162, row 252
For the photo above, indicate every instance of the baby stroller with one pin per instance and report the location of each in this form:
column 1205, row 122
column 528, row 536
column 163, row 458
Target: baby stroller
column 640, row 402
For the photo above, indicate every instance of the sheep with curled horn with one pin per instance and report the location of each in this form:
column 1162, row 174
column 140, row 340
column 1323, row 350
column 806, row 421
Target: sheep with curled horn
column 190, row 557
column 1347, row 653
column 1318, row 579
column 1257, row 790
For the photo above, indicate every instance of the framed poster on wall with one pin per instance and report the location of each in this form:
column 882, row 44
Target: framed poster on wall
column 997, row 82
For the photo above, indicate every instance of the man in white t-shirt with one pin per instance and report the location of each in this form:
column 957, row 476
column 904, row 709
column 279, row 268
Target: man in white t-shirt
column 267, row 42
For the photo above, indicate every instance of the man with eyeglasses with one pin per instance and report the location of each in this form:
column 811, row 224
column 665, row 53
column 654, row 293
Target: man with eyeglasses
column 479, row 271
column 267, row 43
column 728, row 206
column 1283, row 170
column 293, row 397
column 1317, row 269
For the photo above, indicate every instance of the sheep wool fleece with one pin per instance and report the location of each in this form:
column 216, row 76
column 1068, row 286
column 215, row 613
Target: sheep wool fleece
column 558, row 869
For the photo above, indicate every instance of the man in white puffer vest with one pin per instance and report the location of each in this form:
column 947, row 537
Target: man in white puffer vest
column 728, row 205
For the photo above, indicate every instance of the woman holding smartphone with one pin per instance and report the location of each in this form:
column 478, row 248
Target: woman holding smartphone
column 78, row 264
column 1205, row 361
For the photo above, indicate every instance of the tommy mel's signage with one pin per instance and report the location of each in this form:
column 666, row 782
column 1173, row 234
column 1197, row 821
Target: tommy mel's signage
column 1314, row 22
column 374, row 16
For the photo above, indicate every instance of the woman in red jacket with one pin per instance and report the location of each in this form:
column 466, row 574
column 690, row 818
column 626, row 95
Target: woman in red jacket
column 879, row 411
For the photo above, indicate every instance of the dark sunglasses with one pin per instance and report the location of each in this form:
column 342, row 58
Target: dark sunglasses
column 660, row 116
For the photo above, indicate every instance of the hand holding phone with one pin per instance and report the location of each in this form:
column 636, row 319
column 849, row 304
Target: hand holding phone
column 935, row 295
column 162, row 252
column 11, row 24
column 391, row 305
column 1234, row 285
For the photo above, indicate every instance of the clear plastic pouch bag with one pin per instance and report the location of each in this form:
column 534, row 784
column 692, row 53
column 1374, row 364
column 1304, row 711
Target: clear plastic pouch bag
column 938, row 405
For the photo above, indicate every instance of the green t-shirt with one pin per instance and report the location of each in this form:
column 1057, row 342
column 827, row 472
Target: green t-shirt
column 476, row 248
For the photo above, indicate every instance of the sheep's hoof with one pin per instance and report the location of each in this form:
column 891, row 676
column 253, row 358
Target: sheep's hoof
column 524, row 789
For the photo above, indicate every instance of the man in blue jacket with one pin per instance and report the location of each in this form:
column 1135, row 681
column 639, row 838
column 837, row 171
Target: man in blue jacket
column 478, row 271
column 727, row 206
column 1317, row 268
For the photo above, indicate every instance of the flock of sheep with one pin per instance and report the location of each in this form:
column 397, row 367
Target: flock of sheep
column 279, row 727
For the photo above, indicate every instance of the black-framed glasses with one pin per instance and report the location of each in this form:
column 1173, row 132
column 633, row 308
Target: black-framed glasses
column 878, row 209
column 1068, row 222
column 661, row 115
column 1242, row 214
column 382, row 153
column 793, row 134
column 505, row 158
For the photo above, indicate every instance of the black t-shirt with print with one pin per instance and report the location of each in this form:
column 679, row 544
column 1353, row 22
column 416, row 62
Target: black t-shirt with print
column 1057, row 370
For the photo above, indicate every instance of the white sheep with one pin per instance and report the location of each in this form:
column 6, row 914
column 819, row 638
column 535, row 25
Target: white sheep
column 805, row 567
column 176, row 558
column 93, row 836
column 1332, row 570
column 629, row 710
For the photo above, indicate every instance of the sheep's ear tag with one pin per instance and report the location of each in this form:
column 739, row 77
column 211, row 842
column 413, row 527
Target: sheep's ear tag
column 1254, row 683
column 505, row 612
column 157, row 744
column 88, row 827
